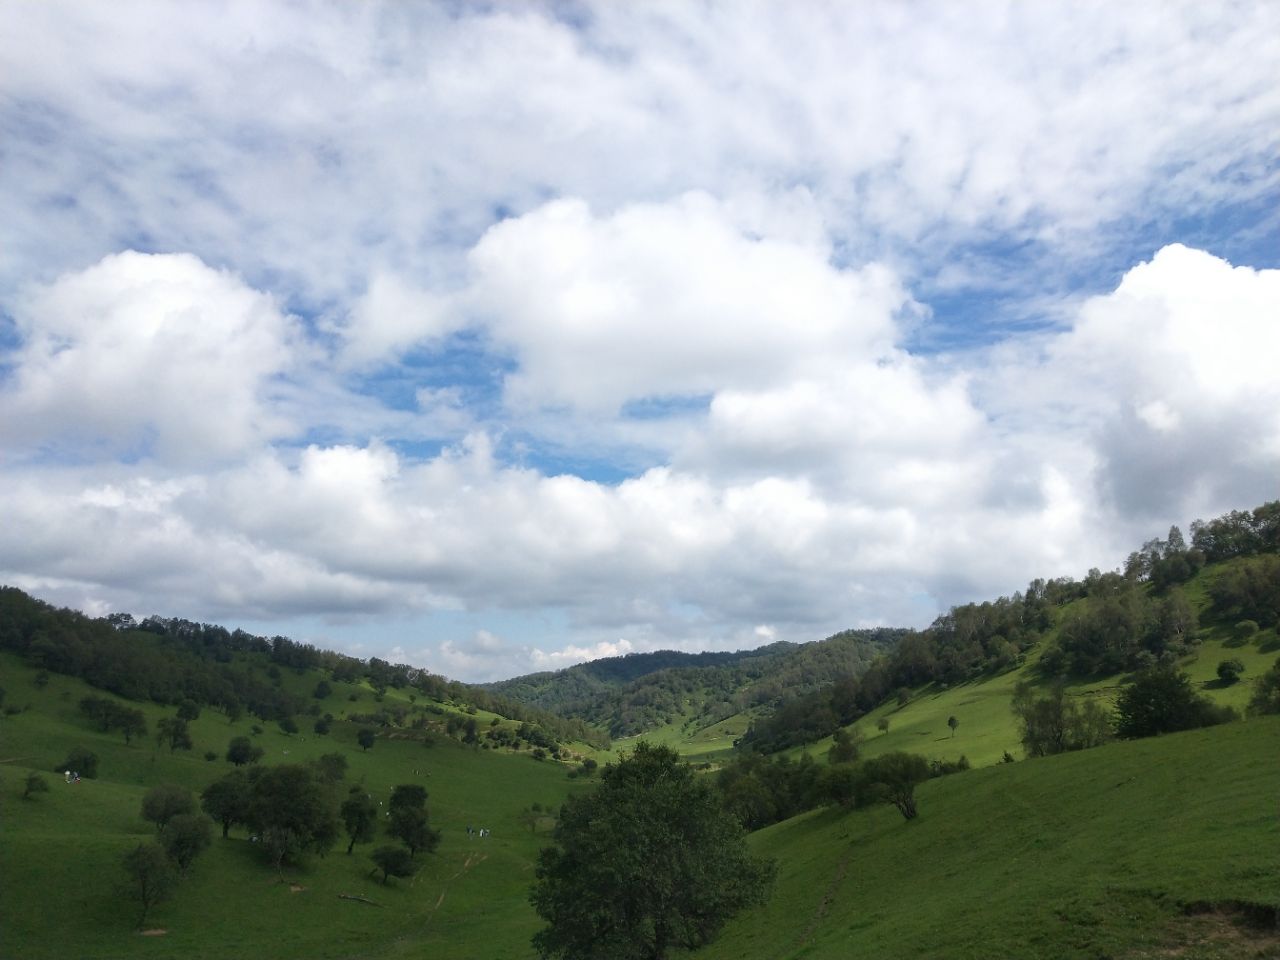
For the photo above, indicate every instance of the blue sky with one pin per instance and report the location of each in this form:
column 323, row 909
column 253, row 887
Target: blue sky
column 494, row 337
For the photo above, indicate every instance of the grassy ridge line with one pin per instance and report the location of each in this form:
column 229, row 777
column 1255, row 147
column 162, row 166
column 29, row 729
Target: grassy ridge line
column 1082, row 855
column 61, row 852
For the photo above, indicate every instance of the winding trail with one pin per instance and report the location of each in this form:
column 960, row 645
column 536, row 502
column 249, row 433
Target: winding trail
column 842, row 869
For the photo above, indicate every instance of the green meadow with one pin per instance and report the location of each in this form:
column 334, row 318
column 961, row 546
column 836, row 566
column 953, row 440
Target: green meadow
column 1166, row 847
column 61, row 850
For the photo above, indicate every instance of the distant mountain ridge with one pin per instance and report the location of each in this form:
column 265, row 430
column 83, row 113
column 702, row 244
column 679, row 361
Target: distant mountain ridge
column 631, row 694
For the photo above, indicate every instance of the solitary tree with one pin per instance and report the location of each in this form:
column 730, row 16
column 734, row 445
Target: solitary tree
column 188, row 709
column 646, row 863
column 365, row 738
column 173, row 731
column 151, row 876
column 952, row 722
column 896, row 775
column 185, row 837
column 1160, row 700
column 82, row 761
column 34, row 784
column 133, row 723
column 359, row 816
column 408, row 821
column 242, row 750
column 394, row 861
column 293, row 812
column 331, row 767
column 883, row 724
column 162, row 803
column 227, row 800
column 1229, row 670
column 845, row 745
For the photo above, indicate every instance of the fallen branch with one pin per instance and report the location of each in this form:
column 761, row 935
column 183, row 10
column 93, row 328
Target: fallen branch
column 348, row 896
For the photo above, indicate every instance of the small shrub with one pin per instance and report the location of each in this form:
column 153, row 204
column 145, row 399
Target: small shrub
column 34, row 784
column 81, row 761
column 1229, row 670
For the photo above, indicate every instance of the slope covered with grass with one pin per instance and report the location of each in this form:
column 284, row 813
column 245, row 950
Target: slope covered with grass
column 61, row 851
column 1086, row 855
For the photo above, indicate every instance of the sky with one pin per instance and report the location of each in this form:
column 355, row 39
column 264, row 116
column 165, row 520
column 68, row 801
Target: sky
column 495, row 337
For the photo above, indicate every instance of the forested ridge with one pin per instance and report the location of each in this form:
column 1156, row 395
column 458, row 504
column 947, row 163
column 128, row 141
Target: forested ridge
column 169, row 660
column 633, row 693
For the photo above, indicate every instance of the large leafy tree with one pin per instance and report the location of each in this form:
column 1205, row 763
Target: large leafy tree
column 360, row 817
column 227, row 800
column 151, row 876
column 408, row 819
column 647, row 863
column 1161, row 700
column 293, row 812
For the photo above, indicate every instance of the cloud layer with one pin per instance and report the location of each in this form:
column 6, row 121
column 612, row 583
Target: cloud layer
column 502, row 339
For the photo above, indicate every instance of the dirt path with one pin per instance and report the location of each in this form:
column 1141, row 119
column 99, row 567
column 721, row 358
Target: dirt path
column 842, row 868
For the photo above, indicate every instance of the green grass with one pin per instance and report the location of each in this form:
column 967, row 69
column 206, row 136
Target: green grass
column 1085, row 855
column 61, row 851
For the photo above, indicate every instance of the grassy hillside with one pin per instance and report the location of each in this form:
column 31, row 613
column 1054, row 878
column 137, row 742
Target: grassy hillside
column 61, row 851
column 1094, row 854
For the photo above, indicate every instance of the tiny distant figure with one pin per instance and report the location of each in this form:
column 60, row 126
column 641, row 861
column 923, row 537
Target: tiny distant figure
column 469, row 831
column 75, row 776
column 67, row 776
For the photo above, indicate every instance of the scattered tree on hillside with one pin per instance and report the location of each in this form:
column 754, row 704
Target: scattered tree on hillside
column 185, row 837
column 365, row 738
column 1160, row 700
column 174, row 731
column 651, row 837
column 132, row 723
column 883, row 724
column 162, row 803
column 408, row 819
column 897, row 774
column 242, row 750
column 845, row 746
column 34, row 784
column 227, row 800
column 394, row 861
column 293, row 812
column 289, row 725
column 151, row 876
column 1266, row 692
column 322, row 690
column 1229, row 670
column 188, row 709
column 1053, row 724
column 360, row 817
column 952, row 722
column 331, row 767
column 81, row 761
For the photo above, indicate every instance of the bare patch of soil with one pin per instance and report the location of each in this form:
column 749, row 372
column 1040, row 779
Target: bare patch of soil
column 1220, row 931
column 156, row 932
